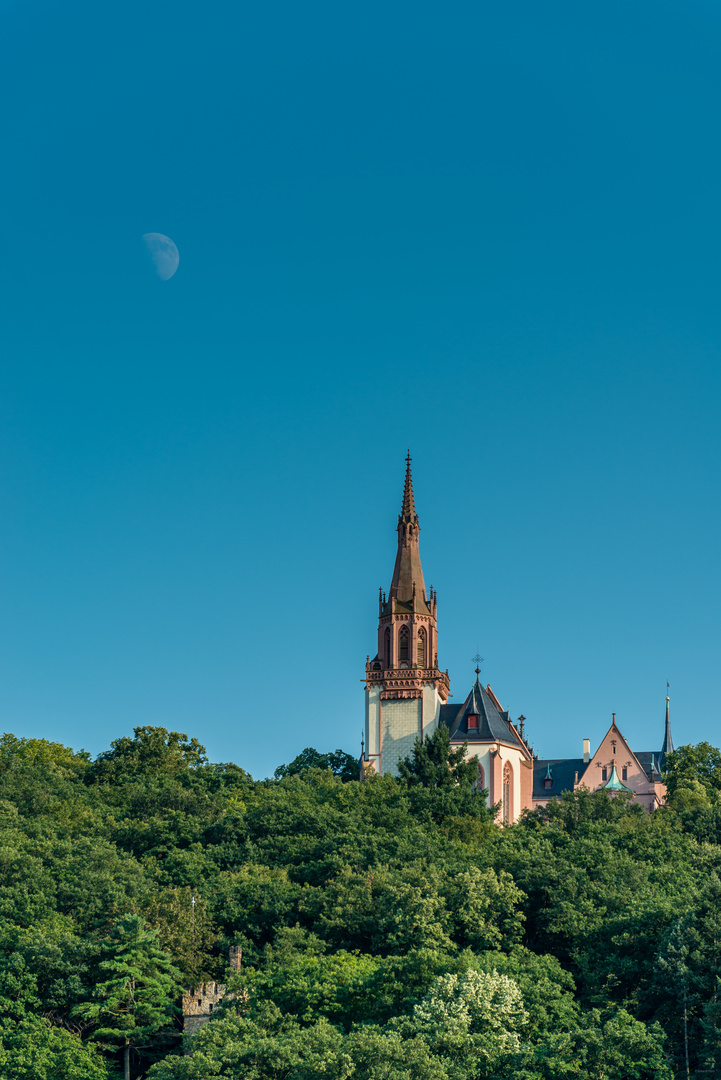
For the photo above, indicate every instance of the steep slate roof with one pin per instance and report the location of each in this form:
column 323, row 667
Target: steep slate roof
column 563, row 774
column 651, row 762
column 493, row 724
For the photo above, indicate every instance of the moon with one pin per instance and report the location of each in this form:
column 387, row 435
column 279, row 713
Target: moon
column 163, row 252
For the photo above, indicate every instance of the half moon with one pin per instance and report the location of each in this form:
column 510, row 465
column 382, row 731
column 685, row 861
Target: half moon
column 163, row 252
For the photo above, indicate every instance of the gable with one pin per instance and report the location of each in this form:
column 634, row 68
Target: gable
column 614, row 749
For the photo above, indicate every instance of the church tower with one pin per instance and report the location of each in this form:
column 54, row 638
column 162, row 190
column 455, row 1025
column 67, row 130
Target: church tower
column 404, row 687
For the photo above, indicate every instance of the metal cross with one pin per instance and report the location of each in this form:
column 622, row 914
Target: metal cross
column 477, row 660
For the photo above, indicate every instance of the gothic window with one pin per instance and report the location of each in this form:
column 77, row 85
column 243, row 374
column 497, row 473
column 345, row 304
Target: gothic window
column 403, row 645
column 507, row 793
column 387, row 650
column 421, row 661
column 481, row 781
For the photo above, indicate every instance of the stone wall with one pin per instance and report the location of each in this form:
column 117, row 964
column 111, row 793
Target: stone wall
column 401, row 728
column 198, row 1005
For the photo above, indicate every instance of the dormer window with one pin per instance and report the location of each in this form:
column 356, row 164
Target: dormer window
column 548, row 782
column 473, row 722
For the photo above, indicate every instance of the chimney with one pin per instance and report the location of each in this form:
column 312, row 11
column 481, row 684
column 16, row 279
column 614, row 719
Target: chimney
column 586, row 750
column 235, row 954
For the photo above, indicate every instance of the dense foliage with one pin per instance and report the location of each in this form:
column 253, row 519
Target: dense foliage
column 390, row 928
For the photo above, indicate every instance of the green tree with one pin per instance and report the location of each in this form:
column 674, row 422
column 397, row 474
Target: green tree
column 31, row 1047
column 690, row 766
column 486, row 909
column 136, row 999
column 710, row 1053
column 49, row 756
column 344, row 766
column 151, row 750
column 34, row 1049
column 473, row 1022
column 612, row 1045
column 264, row 1046
column 385, row 1055
column 303, row 978
column 185, row 929
column 675, row 976
column 433, row 764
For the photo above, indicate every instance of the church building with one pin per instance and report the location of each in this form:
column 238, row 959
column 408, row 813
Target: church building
column 407, row 699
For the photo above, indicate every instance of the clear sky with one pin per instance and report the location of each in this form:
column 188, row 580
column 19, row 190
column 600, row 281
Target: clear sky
column 487, row 232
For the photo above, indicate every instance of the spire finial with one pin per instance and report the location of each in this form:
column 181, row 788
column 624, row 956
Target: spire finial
column 409, row 509
column 477, row 660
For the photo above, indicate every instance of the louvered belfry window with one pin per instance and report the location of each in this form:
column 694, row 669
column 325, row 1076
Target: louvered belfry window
column 421, row 648
column 403, row 645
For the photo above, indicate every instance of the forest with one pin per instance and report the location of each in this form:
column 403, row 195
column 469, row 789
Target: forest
column 391, row 928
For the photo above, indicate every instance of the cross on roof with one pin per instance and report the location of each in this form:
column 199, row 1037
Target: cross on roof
column 477, row 660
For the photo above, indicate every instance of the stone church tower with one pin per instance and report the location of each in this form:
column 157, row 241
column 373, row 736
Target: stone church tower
column 404, row 686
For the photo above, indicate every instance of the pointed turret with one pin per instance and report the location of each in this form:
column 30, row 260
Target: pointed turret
column 407, row 585
column 667, row 747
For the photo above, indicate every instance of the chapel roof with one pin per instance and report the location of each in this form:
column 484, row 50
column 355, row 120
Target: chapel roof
column 493, row 723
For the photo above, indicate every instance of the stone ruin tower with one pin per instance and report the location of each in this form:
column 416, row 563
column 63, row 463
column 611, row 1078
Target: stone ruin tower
column 199, row 1004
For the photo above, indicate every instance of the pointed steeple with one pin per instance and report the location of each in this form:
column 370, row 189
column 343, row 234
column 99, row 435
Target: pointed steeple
column 667, row 747
column 407, row 585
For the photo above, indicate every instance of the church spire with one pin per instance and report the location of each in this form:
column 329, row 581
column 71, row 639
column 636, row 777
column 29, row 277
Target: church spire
column 407, row 585
column 667, row 747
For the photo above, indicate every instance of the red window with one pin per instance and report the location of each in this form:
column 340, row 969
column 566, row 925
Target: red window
column 472, row 721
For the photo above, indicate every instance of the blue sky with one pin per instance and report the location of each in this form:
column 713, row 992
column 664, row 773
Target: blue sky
column 487, row 232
